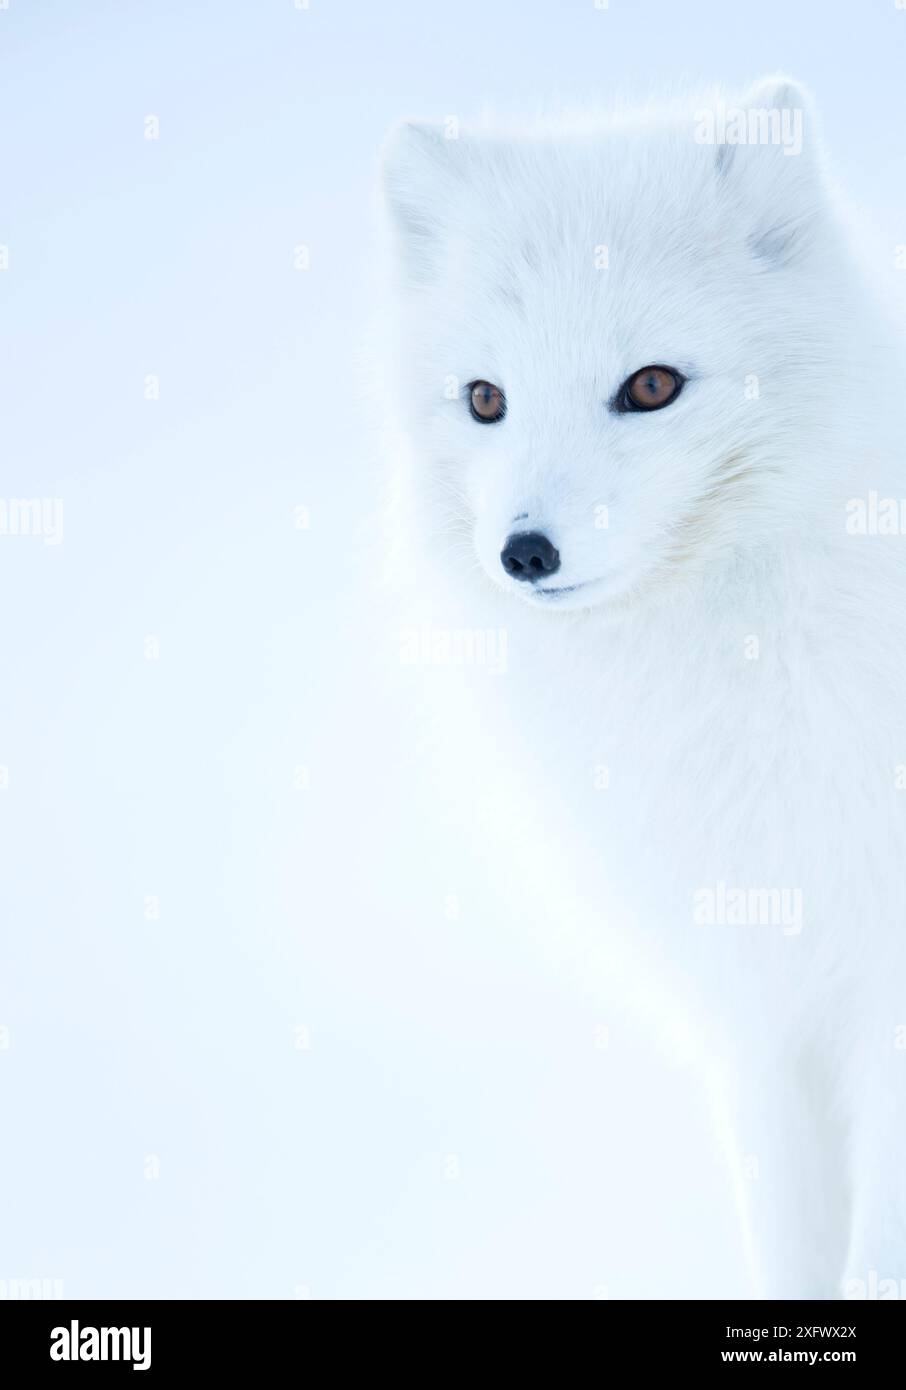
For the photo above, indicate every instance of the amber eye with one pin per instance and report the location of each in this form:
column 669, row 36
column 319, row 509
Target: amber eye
column 486, row 402
column 650, row 389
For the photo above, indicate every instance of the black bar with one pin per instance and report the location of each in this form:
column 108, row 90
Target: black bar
column 231, row 1339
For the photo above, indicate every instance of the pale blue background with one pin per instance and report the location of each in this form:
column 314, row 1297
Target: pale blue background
column 325, row 1168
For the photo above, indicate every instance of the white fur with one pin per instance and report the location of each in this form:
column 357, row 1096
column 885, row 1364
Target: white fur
column 760, row 766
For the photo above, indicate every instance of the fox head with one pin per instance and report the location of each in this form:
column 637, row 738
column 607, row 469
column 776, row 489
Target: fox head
column 619, row 349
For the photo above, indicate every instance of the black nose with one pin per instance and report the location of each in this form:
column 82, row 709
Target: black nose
column 529, row 556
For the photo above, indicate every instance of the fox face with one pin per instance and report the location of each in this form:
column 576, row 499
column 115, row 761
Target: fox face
column 614, row 361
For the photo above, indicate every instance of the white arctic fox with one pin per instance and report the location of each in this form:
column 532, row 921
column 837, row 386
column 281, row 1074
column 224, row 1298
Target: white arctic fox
column 640, row 379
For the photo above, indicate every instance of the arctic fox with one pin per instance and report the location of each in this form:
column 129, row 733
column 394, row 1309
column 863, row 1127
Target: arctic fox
column 648, row 418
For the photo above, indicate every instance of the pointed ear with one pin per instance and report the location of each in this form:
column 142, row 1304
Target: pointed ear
column 770, row 163
column 420, row 171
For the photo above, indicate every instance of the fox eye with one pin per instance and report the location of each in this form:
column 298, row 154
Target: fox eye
column 649, row 389
column 486, row 402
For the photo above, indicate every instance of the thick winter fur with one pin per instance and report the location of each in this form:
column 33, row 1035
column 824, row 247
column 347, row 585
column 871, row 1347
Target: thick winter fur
column 728, row 645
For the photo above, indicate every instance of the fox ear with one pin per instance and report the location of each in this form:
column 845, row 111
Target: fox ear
column 769, row 161
column 420, row 169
